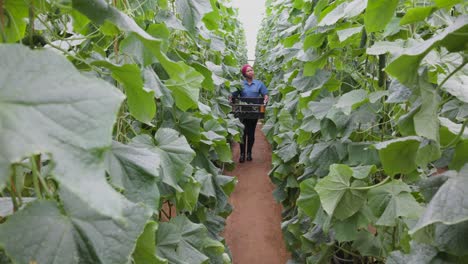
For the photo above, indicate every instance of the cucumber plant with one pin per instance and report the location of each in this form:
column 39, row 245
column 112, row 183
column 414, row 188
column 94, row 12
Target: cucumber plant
column 115, row 130
column 368, row 126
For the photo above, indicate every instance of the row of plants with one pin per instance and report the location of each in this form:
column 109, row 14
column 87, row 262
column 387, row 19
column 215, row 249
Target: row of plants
column 368, row 127
column 115, row 130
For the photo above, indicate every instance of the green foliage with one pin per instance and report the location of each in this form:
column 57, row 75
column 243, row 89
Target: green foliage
column 372, row 96
column 181, row 241
column 118, row 128
column 82, row 232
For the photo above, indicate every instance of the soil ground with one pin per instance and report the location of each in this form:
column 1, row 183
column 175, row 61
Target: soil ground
column 253, row 230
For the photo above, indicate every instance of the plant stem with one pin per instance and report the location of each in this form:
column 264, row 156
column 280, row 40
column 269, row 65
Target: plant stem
column 382, row 73
column 13, row 190
column 372, row 186
column 457, row 138
column 35, row 174
column 45, row 187
column 452, row 73
column 116, row 39
column 173, row 6
column 347, row 251
column 131, row 127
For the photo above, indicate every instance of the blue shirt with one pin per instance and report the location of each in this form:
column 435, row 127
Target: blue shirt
column 255, row 89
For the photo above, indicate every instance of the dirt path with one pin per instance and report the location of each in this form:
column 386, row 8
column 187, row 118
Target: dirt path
column 253, row 230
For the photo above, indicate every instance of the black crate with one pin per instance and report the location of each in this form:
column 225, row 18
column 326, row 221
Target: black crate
column 248, row 108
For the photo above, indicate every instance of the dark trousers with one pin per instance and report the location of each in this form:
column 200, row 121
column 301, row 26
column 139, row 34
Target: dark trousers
column 249, row 135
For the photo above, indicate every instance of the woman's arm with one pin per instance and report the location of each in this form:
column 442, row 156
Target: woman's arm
column 264, row 92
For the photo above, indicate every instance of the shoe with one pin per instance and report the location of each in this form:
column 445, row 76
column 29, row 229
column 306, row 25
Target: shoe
column 249, row 156
column 241, row 158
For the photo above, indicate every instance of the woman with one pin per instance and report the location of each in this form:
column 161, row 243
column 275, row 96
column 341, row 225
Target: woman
column 250, row 88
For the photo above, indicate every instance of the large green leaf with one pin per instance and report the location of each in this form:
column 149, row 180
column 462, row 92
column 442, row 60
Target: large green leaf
column 136, row 171
column 346, row 33
column 452, row 238
column 426, row 123
column 416, row 14
column 382, row 47
column 314, row 40
column 207, row 83
column 398, row 92
column 307, row 83
column 170, row 20
column 187, row 200
column 399, row 155
column 457, row 85
column 428, row 151
column 362, row 154
column 420, row 253
column 321, row 109
column 173, row 151
column 344, row 10
column 369, row 244
column 460, row 156
column 14, row 28
column 189, row 126
column 140, row 100
column 131, row 45
column 311, row 67
column 362, row 172
column 337, row 193
column 100, row 11
column 145, row 250
column 287, row 151
column 452, row 129
column 406, row 66
column 351, row 100
column 183, row 242
column 216, row 137
column 308, row 200
column 76, row 233
column 192, row 12
column 322, row 156
column 161, row 92
column 228, row 183
column 71, row 118
column 406, row 121
column 378, row 14
column 449, row 205
column 206, row 180
column 212, row 19
column 393, row 200
column 185, row 82
column 348, row 229
column 291, row 40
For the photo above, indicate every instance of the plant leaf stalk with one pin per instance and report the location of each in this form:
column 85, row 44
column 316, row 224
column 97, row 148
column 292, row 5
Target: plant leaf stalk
column 13, row 189
column 465, row 61
column 372, row 186
column 35, row 176
column 457, row 138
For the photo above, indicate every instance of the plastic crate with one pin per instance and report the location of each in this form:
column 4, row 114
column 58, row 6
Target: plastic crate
column 248, row 108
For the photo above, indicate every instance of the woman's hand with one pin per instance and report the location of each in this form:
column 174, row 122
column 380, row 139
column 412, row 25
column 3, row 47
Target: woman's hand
column 265, row 99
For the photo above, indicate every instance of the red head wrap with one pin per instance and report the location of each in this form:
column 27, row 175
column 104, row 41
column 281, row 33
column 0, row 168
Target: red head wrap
column 244, row 68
